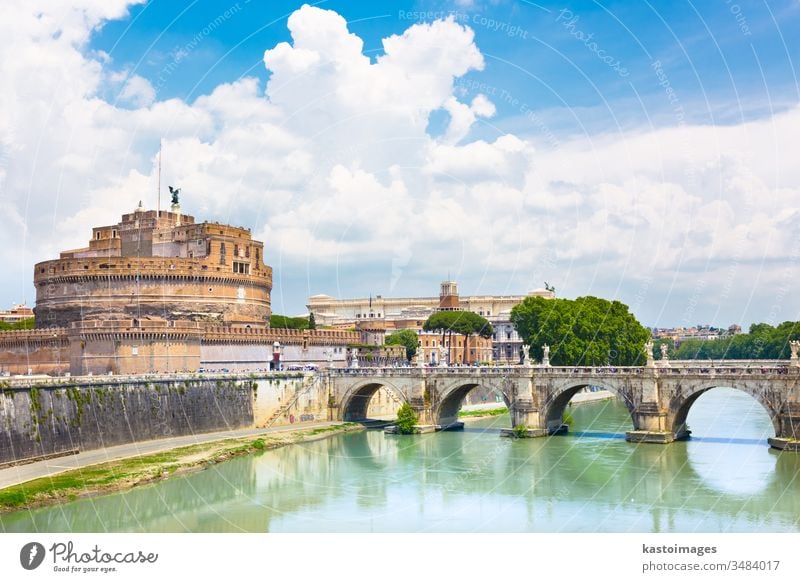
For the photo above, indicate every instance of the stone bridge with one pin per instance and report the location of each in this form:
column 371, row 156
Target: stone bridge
column 658, row 395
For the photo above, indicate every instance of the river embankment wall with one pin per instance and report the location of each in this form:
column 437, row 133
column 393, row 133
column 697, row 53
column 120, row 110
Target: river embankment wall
column 51, row 417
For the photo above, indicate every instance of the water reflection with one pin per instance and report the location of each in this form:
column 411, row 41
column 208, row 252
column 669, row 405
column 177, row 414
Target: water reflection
column 740, row 464
column 589, row 480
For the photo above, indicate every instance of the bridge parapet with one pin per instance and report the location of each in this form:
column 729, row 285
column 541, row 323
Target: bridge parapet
column 427, row 372
column 677, row 367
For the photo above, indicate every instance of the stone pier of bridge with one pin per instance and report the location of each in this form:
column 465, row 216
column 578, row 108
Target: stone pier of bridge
column 658, row 396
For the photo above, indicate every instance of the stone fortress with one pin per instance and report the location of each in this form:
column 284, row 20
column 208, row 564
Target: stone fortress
column 159, row 292
column 158, row 266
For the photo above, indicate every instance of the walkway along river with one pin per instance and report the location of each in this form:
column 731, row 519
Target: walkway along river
column 725, row 478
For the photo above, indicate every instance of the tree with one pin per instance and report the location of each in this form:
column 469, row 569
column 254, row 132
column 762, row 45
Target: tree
column 584, row 331
column 441, row 321
column 465, row 323
column 406, row 338
column 469, row 324
column 284, row 322
column 312, row 323
column 406, row 419
column 17, row 325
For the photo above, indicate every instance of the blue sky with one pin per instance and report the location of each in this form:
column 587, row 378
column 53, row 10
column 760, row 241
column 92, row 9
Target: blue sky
column 630, row 150
column 729, row 60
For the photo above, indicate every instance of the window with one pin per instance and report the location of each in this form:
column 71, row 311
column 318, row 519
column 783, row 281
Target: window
column 97, row 235
column 235, row 250
column 258, row 256
column 221, row 253
column 247, row 252
column 241, row 268
column 114, row 234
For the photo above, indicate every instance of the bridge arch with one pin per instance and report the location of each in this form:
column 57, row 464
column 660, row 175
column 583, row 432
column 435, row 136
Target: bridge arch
column 554, row 407
column 451, row 399
column 355, row 401
column 682, row 404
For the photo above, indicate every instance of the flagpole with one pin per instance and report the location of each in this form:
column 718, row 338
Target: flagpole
column 158, row 207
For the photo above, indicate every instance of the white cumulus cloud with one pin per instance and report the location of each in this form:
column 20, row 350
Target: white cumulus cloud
column 332, row 165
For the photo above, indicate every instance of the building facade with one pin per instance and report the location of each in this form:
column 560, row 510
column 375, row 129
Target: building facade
column 385, row 315
column 396, row 311
column 16, row 314
column 506, row 341
column 435, row 349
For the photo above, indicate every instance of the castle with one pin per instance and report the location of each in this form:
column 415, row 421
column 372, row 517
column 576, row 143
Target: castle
column 158, row 266
column 159, row 292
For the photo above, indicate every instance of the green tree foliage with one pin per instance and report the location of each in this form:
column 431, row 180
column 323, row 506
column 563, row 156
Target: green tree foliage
column 406, row 338
column 763, row 342
column 465, row 323
column 312, row 322
column 406, row 419
column 22, row 324
column 284, row 322
column 584, row 331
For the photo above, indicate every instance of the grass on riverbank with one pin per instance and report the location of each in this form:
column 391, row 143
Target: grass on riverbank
column 486, row 412
column 127, row 473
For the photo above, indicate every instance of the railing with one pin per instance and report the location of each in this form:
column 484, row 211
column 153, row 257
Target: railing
column 690, row 367
column 104, row 380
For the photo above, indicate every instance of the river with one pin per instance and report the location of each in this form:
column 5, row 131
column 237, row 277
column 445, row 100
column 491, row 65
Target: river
column 725, row 479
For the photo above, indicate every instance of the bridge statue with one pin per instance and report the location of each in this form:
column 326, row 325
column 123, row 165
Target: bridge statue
column 443, row 357
column 354, row 359
column 526, row 355
column 665, row 355
column 794, row 345
column 545, row 355
column 648, row 350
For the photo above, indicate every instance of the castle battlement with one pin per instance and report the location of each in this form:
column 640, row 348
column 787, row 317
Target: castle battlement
column 283, row 336
column 28, row 337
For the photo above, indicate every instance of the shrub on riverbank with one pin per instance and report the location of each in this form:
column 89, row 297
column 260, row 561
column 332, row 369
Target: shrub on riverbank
column 520, row 431
column 406, row 419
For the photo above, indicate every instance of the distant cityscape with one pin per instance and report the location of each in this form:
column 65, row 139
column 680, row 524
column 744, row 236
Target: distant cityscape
column 678, row 335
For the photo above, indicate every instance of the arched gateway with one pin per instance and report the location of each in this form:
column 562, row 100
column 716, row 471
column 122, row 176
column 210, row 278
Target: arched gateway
column 658, row 397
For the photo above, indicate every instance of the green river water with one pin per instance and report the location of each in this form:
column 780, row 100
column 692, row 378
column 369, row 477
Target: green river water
column 724, row 479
